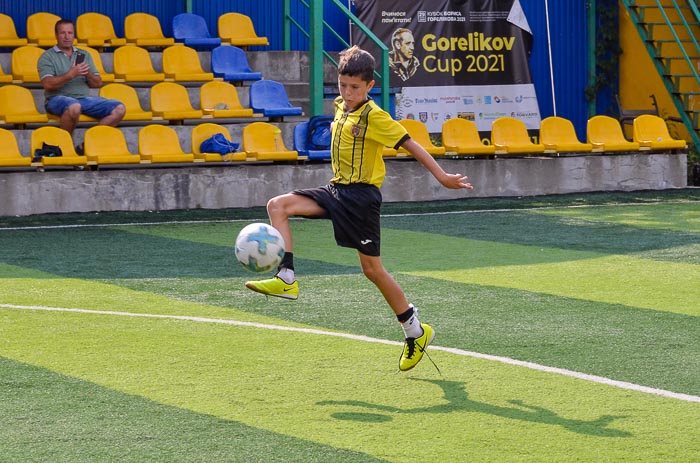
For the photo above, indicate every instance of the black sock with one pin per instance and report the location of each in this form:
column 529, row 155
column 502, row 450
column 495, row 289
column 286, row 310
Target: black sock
column 287, row 261
column 405, row 316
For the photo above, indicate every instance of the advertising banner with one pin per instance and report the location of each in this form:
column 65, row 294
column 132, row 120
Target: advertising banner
column 454, row 58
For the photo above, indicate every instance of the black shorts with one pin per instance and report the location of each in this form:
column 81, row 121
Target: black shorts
column 354, row 210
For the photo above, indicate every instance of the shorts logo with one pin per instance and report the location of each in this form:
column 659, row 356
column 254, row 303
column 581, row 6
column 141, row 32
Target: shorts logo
column 365, row 242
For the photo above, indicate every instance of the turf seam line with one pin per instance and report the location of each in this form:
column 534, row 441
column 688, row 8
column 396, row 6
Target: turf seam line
column 416, row 214
column 465, row 353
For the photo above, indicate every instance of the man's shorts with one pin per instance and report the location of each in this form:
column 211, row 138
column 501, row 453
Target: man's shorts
column 94, row 106
column 355, row 212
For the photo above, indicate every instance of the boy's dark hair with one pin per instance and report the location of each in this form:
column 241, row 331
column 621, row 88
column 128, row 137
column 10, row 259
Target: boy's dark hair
column 61, row 21
column 356, row 62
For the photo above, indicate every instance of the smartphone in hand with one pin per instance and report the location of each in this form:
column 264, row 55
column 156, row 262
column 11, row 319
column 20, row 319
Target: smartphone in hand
column 80, row 58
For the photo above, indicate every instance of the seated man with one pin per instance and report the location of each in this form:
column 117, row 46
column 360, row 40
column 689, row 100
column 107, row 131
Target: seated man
column 67, row 75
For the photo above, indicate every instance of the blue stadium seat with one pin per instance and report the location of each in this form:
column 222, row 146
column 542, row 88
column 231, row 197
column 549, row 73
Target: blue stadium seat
column 301, row 132
column 270, row 98
column 192, row 30
column 231, row 64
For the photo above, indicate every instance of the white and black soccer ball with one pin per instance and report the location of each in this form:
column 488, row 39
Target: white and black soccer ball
column 259, row 247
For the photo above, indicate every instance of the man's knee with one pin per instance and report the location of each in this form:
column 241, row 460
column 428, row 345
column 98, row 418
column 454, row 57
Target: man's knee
column 119, row 111
column 72, row 111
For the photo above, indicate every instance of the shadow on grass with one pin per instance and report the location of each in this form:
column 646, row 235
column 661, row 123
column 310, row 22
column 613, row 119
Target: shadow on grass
column 458, row 401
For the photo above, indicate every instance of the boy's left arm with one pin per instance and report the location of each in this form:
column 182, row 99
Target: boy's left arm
column 454, row 181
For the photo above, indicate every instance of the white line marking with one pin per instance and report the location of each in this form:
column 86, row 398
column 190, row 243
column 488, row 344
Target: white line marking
column 420, row 214
column 354, row 337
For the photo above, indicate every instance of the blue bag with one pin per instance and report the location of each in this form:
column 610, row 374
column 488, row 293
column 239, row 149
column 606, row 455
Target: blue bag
column 218, row 143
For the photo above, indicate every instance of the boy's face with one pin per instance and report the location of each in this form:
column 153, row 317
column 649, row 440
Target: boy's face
column 354, row 90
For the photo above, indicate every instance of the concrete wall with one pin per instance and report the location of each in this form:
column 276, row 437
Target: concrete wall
column 246, row 185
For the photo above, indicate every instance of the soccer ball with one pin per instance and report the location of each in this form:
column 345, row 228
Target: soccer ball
column 259, row 247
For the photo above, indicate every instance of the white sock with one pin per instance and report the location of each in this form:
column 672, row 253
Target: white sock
column 411, row 327
column 286, row 275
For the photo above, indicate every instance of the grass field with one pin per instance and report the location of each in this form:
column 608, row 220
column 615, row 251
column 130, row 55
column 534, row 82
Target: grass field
column 568, row 329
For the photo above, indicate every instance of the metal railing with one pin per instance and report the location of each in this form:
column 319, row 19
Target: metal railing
column 315, row 32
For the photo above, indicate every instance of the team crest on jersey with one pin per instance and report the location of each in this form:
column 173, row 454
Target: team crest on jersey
column 358, row 130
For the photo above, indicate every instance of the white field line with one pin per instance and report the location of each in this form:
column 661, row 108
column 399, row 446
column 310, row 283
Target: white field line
column 451, row 350
column 421, row 214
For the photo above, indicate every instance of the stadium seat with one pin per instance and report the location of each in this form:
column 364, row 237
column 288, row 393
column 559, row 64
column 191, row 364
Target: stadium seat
column 144, row 30
column 263, row 142
column 127, row 95
column 96, row 30
column 97, row 59
column 558, row 135
column 605, row 134
column 40, row 29
column 509, row 136
column 270, row 98
column 231, row 64
column 461, row 136
column 237, row 29
column 59, row 137
column 301, row 144
column 192, row 30
column 10, row 156
column 160, row 144
column 172, row 102
column 133, row 64
column 182, row 63
column 651, row 132
column 389, row 152
column 107, row 145
column 203, row 131
column 8, row 33
column 24, row 64
column 5, row 78
column 419, row 132
column 17, row 106
column 220, row 100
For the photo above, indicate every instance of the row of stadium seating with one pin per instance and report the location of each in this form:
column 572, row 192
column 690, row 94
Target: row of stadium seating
column 134, row 64
column 142, row 29
column 263, row 141
column 169, row 101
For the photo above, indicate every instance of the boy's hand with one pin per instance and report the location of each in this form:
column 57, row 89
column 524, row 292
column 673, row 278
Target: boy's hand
column 456, row 181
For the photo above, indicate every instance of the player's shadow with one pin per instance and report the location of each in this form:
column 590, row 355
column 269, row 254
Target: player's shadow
column 457, row 399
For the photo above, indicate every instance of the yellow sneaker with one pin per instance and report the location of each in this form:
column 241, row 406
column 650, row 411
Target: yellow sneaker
column 414, row 347
column 275, row 286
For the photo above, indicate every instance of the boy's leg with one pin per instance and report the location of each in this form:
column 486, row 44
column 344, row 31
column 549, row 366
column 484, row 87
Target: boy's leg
column 418, row 335
column 280, row 209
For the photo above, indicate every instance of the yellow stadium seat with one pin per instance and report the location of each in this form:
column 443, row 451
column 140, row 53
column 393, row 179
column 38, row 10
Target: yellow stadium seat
column 59, row 137
column 461, row 136
column 41, row 29
column 144, row 30
column 10, row 156
column 8, row 33
column 172, row 102
column 558, row 135
column 24, row 64
column 389, row 152
column 160, row 144
column 509, row 136
column 17, row 106
column 182, row 63
column 107, row 145
column 203, row 131
column 263, row 141
column 605, row 134
column 133, row 64
column 97, row 59
column 651, row 132
column 220, row 99
column 96, row 30
column 127, row 95
column 5, row 78
column 419, row 132
column 237, row 29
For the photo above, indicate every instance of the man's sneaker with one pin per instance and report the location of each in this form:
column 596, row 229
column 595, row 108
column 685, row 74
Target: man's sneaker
column 275, row 286
column 414, row 347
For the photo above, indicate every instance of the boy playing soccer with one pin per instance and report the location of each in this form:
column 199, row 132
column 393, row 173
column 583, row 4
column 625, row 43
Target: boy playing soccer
column 352, row 199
